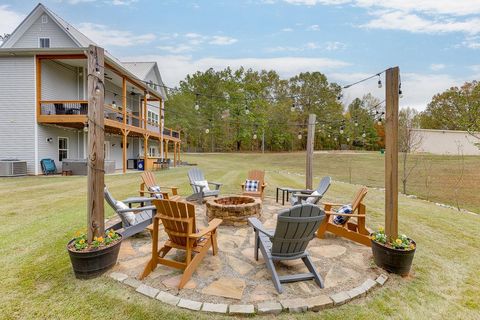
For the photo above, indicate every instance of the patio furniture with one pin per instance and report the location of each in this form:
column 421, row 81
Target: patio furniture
column 59, row 108
column 130, row 224
column 284, row 190
column 311, row 196
column 295, row 228
column 355, row 231
column 150, row 187
column 178, row 219
column 200, row 186
column 48, row 166
column 255, row 175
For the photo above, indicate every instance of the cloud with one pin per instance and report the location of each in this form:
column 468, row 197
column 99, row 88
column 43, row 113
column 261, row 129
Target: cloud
column 327, row 46
column 175, row 67
column 9, row 19
column 315, row 2
column 287, row 29
column 176, row 49
column 106, row 36
column 123, row 2
column 335, row 45
column 437, row 66
column 314, row 27
column 222, row 40
column 471, row 42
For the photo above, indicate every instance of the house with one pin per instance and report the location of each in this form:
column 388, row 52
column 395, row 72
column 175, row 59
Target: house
column 447, row 142
column 43, row 100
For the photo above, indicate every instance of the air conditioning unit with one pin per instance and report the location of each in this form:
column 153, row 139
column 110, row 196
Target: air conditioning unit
column 12, row 168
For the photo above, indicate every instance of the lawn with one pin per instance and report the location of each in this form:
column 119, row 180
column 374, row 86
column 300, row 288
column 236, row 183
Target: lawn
column 40, row 214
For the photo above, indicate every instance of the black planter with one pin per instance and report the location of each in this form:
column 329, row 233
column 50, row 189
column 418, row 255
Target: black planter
column 91, row 264
column 393, row 260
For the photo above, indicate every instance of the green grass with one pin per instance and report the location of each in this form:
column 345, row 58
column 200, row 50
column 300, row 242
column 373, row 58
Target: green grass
column 40, row 214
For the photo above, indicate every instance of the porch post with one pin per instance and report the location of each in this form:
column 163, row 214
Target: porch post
column 175, row 154
column 166, row 149
column 162, row 123
column 124, row 131
column 145, row 151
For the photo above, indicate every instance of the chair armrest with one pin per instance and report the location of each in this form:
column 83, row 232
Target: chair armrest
column 136, row 210
column 332, row 204
column 258, row 226
column 215, row 183
column 343, row 214
column 300, row 190
column 198, row 186
column 212, row 225
column 127, row 201
column 301, row 195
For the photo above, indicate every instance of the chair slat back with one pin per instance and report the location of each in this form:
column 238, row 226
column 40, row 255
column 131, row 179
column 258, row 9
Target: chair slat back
column 148, row 179
column 113, row 204
column 195, row 174
column 295, row 228
column 324, row 185
column 359, row 196
column 178, row 219
column 257, row 175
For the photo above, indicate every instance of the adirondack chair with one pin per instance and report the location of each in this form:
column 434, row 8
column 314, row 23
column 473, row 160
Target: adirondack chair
column 200, row 186
column 143, row 215
column 355, row 231
column 178, row 219
column 295, row 228
column 148, row 182
column 310, row 196
column 260, row 177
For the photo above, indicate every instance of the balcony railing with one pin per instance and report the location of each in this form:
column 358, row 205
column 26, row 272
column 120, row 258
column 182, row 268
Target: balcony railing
column 68, row 108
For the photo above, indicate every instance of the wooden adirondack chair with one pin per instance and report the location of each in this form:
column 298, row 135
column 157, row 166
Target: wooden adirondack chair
column 195, row 175
column 258, row 175
column 355, row 231
column 148, row 181
column 178, row 219
column 295, row 228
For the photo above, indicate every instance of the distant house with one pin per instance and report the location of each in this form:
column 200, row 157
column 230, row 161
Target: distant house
column 447, row 142
column 43, row 100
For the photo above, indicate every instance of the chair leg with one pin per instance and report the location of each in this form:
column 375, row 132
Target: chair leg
column 255, row 253
column 214, row 242
column 323, row 228
column 308, row 262
column 273, row 273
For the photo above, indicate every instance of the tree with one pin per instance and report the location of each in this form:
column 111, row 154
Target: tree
column 408, row 141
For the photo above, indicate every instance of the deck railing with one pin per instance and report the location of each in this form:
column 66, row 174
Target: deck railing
column 80, row 107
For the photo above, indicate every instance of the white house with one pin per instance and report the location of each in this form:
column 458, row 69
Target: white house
column 447, row 142
column 43, row 100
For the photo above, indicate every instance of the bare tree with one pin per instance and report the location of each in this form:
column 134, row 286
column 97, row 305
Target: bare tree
column 409, row 141
column 427, row 172
column 459, row 178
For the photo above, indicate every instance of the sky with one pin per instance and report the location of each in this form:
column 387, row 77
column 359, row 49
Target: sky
column 436, row 43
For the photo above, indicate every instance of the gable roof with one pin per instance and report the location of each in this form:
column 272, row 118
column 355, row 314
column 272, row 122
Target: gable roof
column 142, row 69
column 77, row 37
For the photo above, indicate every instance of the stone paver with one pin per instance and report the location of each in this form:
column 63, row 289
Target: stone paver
column 357, row 292
column 168, row 298
column 190, row 304
column 241, row 309
column 328, row 251
column 340, row 298
column 319, row 303
column 147, row 290
column 338, row 275
column 226, row 287
column 382, row 279
column 134, row 283
column 215, row 307
column 173, row 282
column 369, row 284
column 269, row 307
column 118, row 276
column 294, row 305
column 240, row 266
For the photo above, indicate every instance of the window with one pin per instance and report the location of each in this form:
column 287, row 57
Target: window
column 153, row 151
column 44, row 19
column 44, row 42
column 62, row 148
column 152, row 117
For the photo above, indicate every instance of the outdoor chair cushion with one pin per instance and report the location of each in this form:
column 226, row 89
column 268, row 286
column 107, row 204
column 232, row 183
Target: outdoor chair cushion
column 202, row 183
column 157, row 193
column 129, row 215
column 251, row 185
column 347, row 209
column 312, row 200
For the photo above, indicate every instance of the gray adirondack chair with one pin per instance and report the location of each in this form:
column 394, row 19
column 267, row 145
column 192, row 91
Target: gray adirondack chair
column 195, row 175
column 143, row 215
column 295, row 228
column 305, row 195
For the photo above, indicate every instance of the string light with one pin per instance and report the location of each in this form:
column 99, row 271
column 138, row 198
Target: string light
column 348, row 139
column 400, row 93
column 293, row 107
column 97, row 71
column 299, row 136
column 97, row 89
column 207, row 131
column 247, row 111
column 364, row 134
column 147, row 95
column 114, row 105
column 379, row 81
column 254, row 136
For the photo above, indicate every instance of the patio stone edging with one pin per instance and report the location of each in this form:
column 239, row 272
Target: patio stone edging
column 313, row 304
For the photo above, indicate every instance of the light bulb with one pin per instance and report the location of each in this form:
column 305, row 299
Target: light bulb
column 379, row 122
column 356, row 123
column 247, row 111
column 329, row 135
column 85, row 129
column 97, row 71
column 379, row 83
column 255, row 137
column 207, row 130
column 341, row 131
column 364, row 134
column 147, row 96
column 400, row 93
column 292, row 108
column 114, row 104
column 197, row 107
column 335, row 138
column 97, row 90
column 348, row 139
column 299, row 136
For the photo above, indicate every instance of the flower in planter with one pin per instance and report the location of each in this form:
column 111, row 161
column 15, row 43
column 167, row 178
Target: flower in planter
column 401, row 243
column 81, row 243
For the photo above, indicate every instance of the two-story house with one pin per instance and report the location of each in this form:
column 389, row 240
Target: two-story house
column 43, row 100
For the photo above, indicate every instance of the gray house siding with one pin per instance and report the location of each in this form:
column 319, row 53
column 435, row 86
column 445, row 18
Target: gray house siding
column 50, row 149
column 61, row 82
column 58, row 37
column 17, row 109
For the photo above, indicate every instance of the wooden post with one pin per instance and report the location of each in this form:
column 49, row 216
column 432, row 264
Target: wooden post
column 174, row 154
column 145, row 151
column 124, row 131
column 391, row 153
column 310, row 143
column 96, row 138
column 166, row 149
column 145, row 113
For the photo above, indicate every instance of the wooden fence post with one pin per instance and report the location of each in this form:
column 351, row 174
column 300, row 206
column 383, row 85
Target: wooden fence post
column 96, row 137
column 391, row 152
column 310, row 144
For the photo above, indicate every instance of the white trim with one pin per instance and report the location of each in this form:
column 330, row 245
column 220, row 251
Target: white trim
column 58, row 147
column 44, row 19
column 35, row 123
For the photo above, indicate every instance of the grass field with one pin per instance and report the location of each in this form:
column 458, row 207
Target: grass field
column 40, row 214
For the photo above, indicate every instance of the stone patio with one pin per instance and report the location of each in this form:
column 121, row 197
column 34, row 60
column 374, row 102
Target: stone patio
column 234, row 278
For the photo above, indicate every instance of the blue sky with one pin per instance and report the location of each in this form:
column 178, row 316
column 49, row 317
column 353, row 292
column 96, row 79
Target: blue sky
column 436, row 43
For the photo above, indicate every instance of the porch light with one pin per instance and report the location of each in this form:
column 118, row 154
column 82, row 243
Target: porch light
column 97, row 89
column 379, row 81
column 85, row 128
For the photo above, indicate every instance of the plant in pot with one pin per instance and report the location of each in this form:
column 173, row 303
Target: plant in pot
column 393, row 255
column 91, row 260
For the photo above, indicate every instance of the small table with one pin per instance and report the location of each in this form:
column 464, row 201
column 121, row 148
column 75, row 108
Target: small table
column 141, row 200
column 284, row 190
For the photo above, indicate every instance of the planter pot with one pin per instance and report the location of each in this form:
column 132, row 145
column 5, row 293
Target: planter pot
column 393, row 260
column 91, row 264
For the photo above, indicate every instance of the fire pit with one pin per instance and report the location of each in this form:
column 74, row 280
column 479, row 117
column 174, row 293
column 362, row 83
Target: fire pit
column 235, row 210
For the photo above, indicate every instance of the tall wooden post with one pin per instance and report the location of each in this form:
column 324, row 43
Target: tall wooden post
column 145, row 151
column 96, row 138
column 391, row 152
column 310, row 143
column 175, row 154
column 124, row 131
